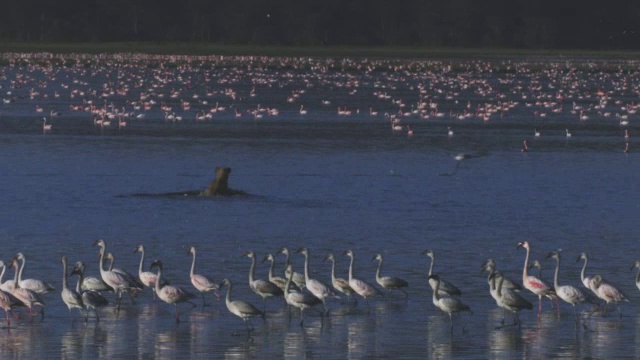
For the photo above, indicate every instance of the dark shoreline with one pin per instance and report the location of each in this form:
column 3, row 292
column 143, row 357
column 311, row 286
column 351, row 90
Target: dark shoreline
column 284, row 51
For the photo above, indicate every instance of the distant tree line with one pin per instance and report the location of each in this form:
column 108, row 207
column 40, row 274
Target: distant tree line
column 531, row 24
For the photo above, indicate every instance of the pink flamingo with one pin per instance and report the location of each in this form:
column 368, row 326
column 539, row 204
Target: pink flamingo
column 530, row 282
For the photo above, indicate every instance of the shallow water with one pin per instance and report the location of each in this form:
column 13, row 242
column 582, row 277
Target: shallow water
column 329, row 184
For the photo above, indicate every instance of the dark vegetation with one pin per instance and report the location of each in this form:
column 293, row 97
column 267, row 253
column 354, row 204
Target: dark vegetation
column 514, row 24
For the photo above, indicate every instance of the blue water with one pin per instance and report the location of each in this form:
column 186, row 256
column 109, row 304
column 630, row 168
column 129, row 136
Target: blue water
column 330, row 184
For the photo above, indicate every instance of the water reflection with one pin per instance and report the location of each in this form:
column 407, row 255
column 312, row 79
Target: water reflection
column 245, row 350
column 503, row 342
column 361, row 340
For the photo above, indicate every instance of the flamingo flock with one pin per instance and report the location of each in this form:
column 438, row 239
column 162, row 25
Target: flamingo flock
column 593, row 295
column 553, row 94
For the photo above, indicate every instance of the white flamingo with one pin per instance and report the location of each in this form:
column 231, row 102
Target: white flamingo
column 389, row 282
column 339, row 284
column 90, row 299
column 169, row 293
column 202, row 283
column 69, row 296
column 147, row 278
column 27, row 297
column 36, row 285
column 263, row 288
column 299, row 299
column 239, row 308
column 316, row 287
column 360, row 287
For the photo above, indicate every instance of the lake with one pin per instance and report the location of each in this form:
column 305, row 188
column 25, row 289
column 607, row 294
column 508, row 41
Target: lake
column 329, row 181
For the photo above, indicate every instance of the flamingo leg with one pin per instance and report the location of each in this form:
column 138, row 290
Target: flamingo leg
column 539, row 304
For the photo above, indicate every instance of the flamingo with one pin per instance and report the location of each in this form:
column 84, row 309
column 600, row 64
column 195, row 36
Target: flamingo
column 298, row 278
column 118, row 281
column 530, row 282
column 35, row 285
column 301, row 300
column 552, row 294
column 303, row 111
column 316, row 287
column 339, row 284
column 169, row 293
column 637, row 265
column 587, row 281
column 263, row 288
column 279, row 281
column 45, row 127
column 239, row 308
column 568, row 133
column 507, row 299
column 536, row 132
column 202, row 283
column 360, row 287
column 525, row 146
column 490, row 266
column 70, row 297
column 27, row 297
column 147, row 278
column 6, row 286
column 446, row 303
column 90, row 299
column 136, row 284
column 389, row 282
column 568, row 293
column 449, row 131
column 608, row 292
column 7, row 303
column 446, row 288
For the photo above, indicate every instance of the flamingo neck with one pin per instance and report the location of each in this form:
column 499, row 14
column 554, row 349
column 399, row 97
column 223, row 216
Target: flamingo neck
column 193, row 264
column 333, row 271
column 525, row 272
column 158, row 278
column 65, row 285
column 24, row 260
column 78, row 284
column 15, row 276
column 433, row 260
column 379, row 268
column 492, row 283
column 555, row 277
column 288, row 284
column 491, row 272
column 637, row 276
column 584, row 268
column 306, row 266
column 499, row 289
column 228, row 297
column 141, row 268
column 286, row 259
column 4, row 268
column 252, row 268
column 101, row 261
column 353, row 257
column 271, row 269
